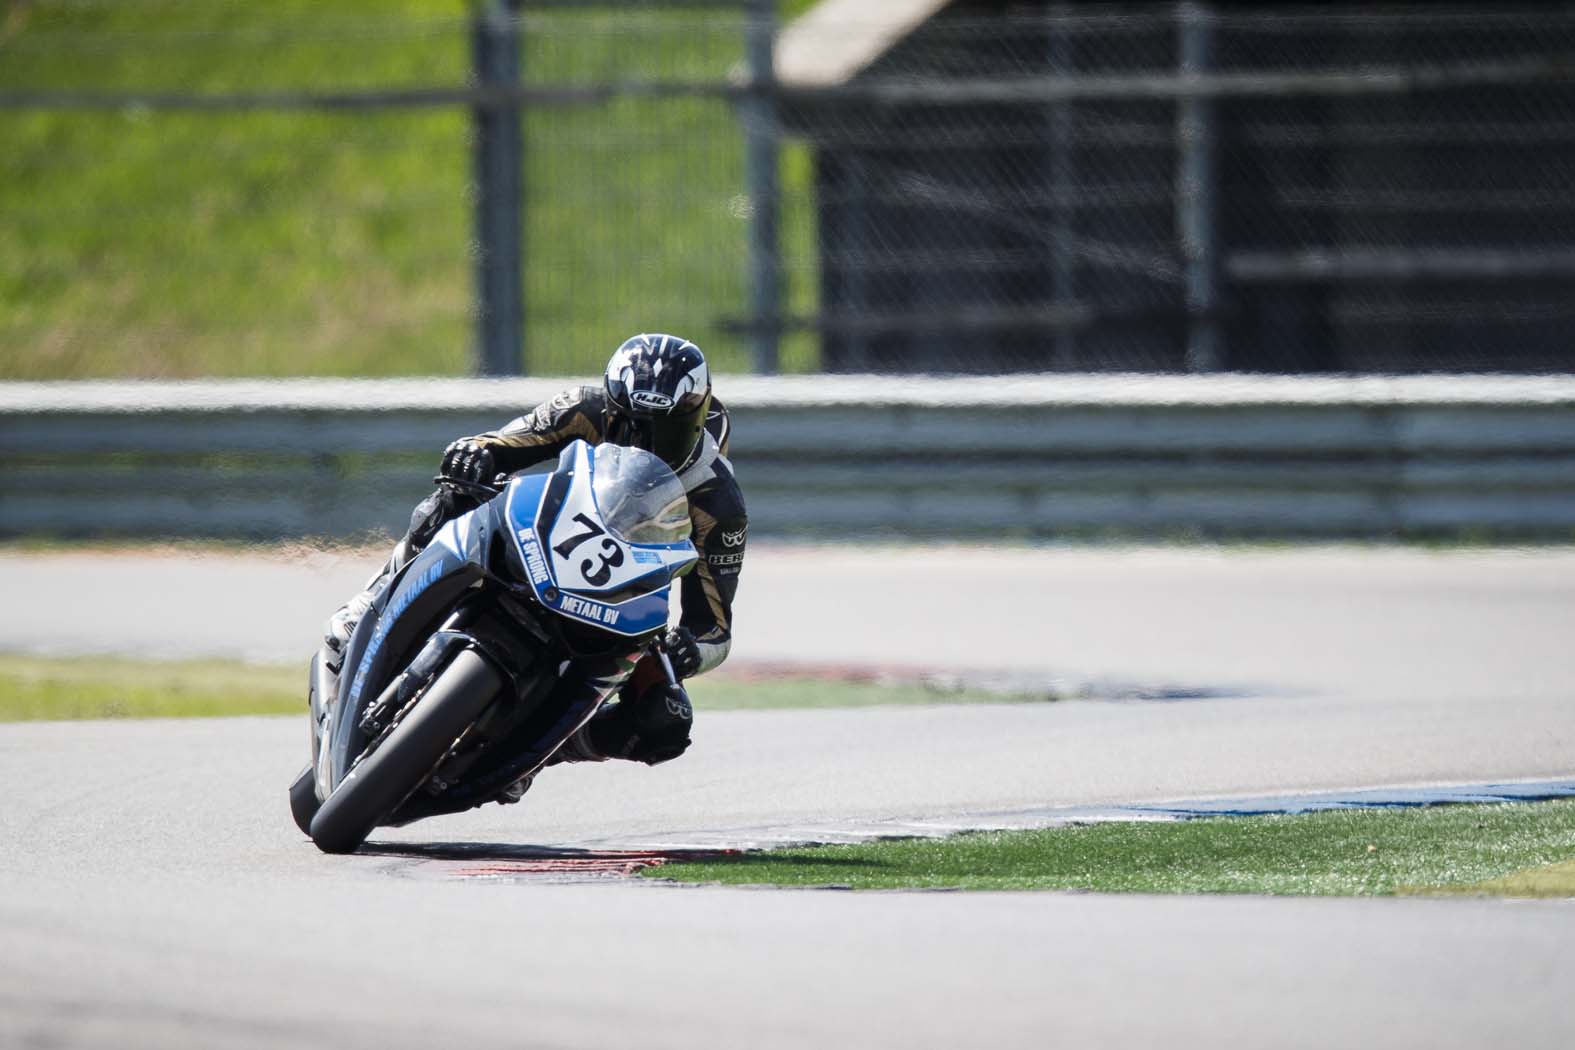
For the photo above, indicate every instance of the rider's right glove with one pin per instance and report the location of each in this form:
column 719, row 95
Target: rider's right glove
column 465, row 460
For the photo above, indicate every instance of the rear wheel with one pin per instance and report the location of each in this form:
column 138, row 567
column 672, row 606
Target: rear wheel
column 386, row 778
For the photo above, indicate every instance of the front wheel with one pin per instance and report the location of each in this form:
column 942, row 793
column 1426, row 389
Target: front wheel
column 383, row 780
column 303, row 800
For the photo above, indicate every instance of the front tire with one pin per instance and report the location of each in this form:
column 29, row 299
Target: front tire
column 303, row 800
column 376, row 787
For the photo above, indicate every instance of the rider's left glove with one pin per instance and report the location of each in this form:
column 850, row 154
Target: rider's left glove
column 682, row 651
column 466, row 460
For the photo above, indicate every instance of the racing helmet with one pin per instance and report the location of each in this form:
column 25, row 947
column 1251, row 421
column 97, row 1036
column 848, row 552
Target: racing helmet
column 658, row 393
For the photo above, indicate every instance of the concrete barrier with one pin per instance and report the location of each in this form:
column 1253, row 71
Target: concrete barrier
column 1006, row 457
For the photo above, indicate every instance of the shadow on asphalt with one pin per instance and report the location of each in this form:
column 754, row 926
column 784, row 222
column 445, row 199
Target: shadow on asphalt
column 498, row 859
column 504, row 851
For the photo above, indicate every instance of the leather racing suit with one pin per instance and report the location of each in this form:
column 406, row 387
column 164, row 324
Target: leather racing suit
column 719, row 529
column 716, row 505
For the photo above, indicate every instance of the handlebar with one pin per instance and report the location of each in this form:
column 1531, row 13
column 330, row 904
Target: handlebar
column 479, row 489
column 667, row 664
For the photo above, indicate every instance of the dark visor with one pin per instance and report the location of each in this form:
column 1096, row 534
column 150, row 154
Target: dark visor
column 671, row 437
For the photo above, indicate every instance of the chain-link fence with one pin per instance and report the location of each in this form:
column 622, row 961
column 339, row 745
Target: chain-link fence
column 223, row 188
column 1203, row 187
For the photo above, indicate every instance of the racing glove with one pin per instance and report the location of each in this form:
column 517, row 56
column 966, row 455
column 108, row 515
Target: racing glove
column 465, row 460
column 683, row 652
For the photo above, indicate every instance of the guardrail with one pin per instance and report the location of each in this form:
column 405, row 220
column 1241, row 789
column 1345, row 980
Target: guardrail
column 1002, row 457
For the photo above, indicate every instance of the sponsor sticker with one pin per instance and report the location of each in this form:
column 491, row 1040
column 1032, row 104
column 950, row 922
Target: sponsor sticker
column 651, row 399
column 395, row 610
column 593, row 611
column 535, row 564
column 647, row 557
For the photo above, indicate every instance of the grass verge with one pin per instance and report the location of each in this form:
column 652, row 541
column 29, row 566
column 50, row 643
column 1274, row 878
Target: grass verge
column 141, row 242
column 1471, row 849
column 46, row 689
column 1551, row 880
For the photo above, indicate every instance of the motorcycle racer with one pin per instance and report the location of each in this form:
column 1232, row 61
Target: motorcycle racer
column 656, row 395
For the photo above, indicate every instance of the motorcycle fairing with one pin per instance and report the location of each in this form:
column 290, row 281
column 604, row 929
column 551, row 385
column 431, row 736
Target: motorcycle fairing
column 419, row 594
column 428, row 588
column 578, row 569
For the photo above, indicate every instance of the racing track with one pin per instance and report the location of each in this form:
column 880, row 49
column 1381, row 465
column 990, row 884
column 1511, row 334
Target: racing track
column 155, row 893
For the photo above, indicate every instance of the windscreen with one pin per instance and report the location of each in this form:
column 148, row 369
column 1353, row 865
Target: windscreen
column 641, row 500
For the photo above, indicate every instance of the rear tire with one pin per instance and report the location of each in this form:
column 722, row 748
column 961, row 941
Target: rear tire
column 376, row 787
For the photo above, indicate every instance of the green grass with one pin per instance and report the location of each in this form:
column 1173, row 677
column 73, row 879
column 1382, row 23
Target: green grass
column 42, row 689
column 1551, row 880
column 38, row 689
column 1340, row 852
column 156, row 244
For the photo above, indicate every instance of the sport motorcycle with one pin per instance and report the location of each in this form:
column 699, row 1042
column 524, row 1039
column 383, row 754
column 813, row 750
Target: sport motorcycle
column 483, row 654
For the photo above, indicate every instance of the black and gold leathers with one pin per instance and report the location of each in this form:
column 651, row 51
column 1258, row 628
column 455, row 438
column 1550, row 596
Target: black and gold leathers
column 716, row 504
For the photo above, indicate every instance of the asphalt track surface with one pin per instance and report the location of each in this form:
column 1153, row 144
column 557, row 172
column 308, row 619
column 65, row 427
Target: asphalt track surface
column 155, row 893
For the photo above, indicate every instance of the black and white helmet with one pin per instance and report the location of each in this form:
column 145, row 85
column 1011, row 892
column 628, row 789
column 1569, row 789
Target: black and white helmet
column 658, row 392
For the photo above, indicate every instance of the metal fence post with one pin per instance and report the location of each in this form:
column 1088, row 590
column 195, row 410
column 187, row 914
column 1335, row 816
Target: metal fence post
column 1197, row 218
column 760, row 171
column 1063, row 174
column 498, row 173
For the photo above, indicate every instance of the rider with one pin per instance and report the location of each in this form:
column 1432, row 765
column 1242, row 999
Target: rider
column 655, row 395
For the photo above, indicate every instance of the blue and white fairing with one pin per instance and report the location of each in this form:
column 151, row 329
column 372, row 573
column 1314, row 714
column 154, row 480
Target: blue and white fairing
column 599, row 541
column 602, row 537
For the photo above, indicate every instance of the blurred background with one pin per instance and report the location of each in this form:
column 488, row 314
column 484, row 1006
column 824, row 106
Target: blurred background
column 1168, row 269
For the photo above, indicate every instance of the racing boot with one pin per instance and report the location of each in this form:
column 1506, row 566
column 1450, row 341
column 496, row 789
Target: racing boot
column 342, row 624
column 429, row 516
column 323, row 675
column 327, row 664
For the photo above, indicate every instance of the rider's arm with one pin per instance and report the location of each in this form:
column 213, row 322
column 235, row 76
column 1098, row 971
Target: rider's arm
column 545, row 431
column 720, row 426
column 720, row 529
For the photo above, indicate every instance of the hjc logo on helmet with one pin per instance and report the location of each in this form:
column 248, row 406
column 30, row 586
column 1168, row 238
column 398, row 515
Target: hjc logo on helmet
column 651, row 399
